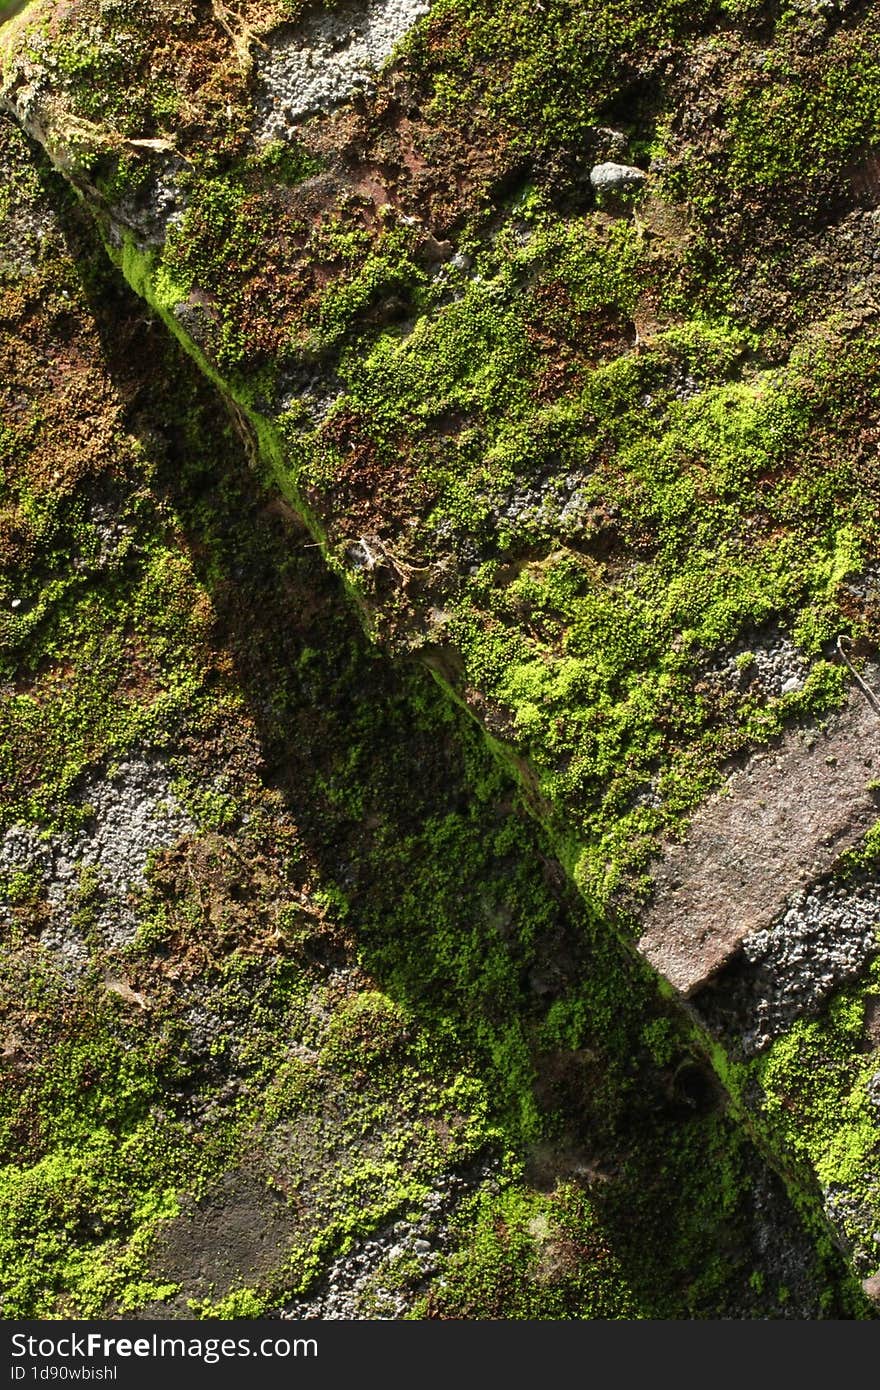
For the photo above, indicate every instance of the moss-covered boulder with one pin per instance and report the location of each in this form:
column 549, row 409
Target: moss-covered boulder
column 601, row 455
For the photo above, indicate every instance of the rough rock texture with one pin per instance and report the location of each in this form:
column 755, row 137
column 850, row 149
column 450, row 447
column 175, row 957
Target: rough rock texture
column 616, row 181
column 823, row 938
column 777, row 825
column 767, row 660
column 128, row 817
column 607, row 467
column 321, row 62
column 378, row 1278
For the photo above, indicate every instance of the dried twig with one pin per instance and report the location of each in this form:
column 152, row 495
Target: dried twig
column 860, row 681
column 241, row 34
column 375, row 551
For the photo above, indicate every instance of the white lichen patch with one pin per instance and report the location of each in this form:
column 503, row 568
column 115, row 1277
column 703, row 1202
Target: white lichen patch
column 323, row 61
column 131, row 814
column 767, row 662
column 379, row 1276
column 826, row 936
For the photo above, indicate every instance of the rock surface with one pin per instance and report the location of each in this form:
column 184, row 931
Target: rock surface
column 610, row 178
column 775, row 827
column 607, row 468
column 129, row 816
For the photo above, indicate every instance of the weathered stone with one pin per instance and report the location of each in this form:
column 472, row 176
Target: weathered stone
column 618, row 180
column 331, row 54
column 872, row 1288
column 611, row 478
column 823, row 938
column 776, row 826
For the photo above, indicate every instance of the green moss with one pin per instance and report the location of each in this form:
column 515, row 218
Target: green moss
column 528, row 1256
column 714, row 492
column 815, row 1083
column 793, row 134
column 243, row 1303
column 550, row 75
column 102, row 1166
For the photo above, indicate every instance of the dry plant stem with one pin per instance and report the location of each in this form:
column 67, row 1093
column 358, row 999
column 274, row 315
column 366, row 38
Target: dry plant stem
column 860, row 681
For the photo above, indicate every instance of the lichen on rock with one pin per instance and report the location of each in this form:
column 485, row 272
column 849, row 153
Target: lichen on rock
column 552, row 336
column 326, row 58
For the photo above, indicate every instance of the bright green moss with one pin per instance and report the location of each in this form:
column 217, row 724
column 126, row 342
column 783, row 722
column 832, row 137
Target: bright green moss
column 526, row 1256
column 793, row 133
column 550, row 74
column 102, row 1165
column 816, row 1086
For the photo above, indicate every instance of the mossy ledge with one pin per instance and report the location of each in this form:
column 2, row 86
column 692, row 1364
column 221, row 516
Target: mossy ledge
column 799, row 1177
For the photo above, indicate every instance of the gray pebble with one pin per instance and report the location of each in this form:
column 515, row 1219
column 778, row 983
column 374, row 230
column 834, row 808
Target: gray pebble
column 617, row 178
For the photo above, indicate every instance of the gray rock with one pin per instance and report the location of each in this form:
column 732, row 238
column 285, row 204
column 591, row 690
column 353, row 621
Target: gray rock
column 852, row 1212
column 132, row 814
column 774, row 830
column 617, row 179
column 324, row 60
column 366, row 1281
column 765, row 662
column 825, row 938
column 150, row 213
